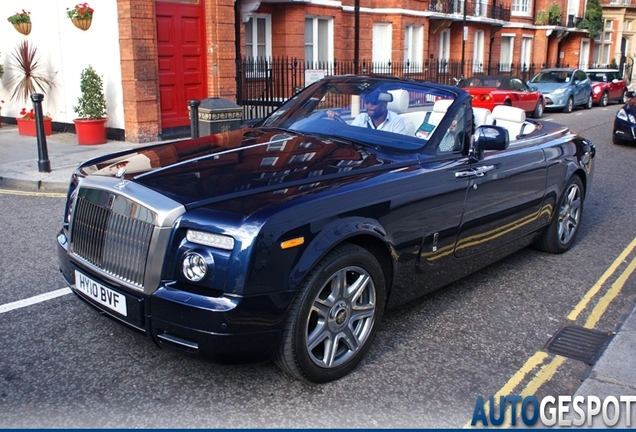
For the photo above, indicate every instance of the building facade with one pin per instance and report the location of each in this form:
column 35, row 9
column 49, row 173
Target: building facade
column 156, row 55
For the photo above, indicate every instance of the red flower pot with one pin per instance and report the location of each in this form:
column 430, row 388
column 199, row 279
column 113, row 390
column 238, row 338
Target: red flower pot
column 27, row 127
column 90, row 132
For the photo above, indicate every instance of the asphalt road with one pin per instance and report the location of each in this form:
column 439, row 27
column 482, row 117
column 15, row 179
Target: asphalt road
column 62, row 365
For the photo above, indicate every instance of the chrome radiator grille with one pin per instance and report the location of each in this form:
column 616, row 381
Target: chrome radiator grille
column 115, row 238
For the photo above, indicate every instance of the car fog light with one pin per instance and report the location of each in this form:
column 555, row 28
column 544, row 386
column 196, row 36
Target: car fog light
column 194, row 267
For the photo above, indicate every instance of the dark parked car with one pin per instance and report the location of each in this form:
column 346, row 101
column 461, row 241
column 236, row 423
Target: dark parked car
column 292, row 237
column 624, row 131
column 607, row 85
column 563, row 88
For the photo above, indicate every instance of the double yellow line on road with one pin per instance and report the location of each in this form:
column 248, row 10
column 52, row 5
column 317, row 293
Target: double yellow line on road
column 544, row 372
column 37, row 194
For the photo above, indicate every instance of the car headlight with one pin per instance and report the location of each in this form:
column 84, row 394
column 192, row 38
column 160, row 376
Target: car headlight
column 596, row 90
column 194, row 267
column 622, row 114
column 559, row 91
column 210, row 239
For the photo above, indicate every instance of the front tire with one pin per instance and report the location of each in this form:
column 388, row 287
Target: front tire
column 559, row 236
column 569, row 105
column 335, row 316
column 604, row 99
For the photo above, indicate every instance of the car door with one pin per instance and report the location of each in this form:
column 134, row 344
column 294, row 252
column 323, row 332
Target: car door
column 582, row 87
column 504, row 198
column 526, row 99
column 615, row 85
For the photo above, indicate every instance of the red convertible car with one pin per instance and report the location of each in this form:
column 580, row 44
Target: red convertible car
column 491, row 90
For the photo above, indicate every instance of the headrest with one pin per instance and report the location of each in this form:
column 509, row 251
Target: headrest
column 377, row 96
column 400, row 102
column 513, row 114
column 442, row 105
column 482, row 116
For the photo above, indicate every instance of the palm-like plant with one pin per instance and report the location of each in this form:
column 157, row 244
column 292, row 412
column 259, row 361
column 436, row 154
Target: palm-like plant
column 29, row 73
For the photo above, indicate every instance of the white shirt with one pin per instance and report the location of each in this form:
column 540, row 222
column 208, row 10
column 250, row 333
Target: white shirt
column 392, row 122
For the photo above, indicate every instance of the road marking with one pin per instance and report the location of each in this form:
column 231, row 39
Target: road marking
column 546, row 372
column 599, row 284
column 610, row 295
column 34, row 300
column 39, row 194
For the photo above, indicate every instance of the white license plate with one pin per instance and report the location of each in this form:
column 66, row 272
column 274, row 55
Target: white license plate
column 101, row 294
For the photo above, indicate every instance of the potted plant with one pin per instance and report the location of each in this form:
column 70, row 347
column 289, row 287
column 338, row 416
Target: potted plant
column 21, row 21
column 81, row 15
column 91, row 109
column 29, row 74
column 26, row 124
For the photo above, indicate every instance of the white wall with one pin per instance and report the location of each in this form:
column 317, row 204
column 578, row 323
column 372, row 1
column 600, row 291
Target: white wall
column 65, row 51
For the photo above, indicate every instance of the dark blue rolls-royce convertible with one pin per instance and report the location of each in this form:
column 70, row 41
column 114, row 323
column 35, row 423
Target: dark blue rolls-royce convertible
column 290, row 238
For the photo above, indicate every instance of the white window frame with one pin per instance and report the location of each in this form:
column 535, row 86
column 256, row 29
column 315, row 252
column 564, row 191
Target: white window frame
column 584, row 58
column 382, row 46
column 521, row 8
column 319, row 53
column 253, row 23
column 444, row 50
column 526, row 52
column 413, row 47
column 505, row 64
column 478, row 51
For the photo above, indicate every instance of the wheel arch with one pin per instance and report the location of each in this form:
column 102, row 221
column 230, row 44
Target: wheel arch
column 366, row 233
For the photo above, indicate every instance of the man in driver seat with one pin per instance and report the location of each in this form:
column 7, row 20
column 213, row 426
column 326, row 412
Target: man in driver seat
column 378, row 116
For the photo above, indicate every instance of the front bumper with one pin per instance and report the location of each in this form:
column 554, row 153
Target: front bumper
column 623, row 132
column 219, row 326
column 553, row 101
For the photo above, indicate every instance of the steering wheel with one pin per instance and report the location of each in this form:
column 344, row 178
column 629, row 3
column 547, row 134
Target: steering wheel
column 336, row 116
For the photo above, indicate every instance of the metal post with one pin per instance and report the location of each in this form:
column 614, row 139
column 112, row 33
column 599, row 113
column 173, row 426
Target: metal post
column 194, row 117
column 464, row 37
column 44, row 165
column 356, row 37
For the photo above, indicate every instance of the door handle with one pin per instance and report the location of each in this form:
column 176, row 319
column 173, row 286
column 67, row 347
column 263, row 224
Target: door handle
column 477, row 172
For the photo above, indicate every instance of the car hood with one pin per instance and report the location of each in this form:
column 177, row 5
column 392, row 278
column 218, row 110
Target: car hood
column 265, row 165
column 547, row 87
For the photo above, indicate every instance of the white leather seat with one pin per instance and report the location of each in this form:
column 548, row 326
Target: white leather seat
column 483, row 116
column 512, row 118
column 399, row 105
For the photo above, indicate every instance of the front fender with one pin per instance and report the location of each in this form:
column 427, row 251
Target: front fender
column 330, row 236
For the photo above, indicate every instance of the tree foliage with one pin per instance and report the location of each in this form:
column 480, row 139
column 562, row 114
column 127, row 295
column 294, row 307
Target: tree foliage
column 92, row 103
column 593, row 20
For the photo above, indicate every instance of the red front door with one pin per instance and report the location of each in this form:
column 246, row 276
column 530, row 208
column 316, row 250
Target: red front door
column 182, row 62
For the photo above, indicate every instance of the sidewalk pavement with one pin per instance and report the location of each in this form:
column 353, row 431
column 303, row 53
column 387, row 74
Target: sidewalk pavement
column 19, row 159
column 614, row 374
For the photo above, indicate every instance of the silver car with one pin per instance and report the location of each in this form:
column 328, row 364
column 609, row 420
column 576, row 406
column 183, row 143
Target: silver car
column 563, row 88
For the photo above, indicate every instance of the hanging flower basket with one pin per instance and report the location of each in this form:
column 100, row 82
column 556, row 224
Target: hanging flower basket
column 23, row 27
column 81, row 15
column 82, row 23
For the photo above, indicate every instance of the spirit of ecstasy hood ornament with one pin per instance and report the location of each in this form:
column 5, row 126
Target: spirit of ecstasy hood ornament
column 120, row 176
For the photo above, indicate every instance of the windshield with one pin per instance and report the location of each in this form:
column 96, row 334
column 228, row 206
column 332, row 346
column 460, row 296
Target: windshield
column 553, row 77
column 378, row 112
column 597, row 76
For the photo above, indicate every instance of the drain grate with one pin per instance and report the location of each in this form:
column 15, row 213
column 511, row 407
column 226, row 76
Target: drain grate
column 578, row 343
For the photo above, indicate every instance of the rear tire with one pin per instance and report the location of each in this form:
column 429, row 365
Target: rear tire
column 335, row 316
column 538, row 110
column 559, row 236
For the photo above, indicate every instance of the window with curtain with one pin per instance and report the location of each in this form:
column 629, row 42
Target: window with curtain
column 318, row 41
column 478, row 52
column 413, row 42
column 507, row 51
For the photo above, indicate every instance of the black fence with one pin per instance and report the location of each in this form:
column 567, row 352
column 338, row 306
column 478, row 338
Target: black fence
column 265, row 84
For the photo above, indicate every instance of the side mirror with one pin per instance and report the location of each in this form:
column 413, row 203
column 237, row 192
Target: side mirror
column 489, row 137
column 534, row 88
column 631, row 94
column 614, row 80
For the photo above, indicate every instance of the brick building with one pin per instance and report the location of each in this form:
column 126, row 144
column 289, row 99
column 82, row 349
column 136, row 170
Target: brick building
column 156, row 55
